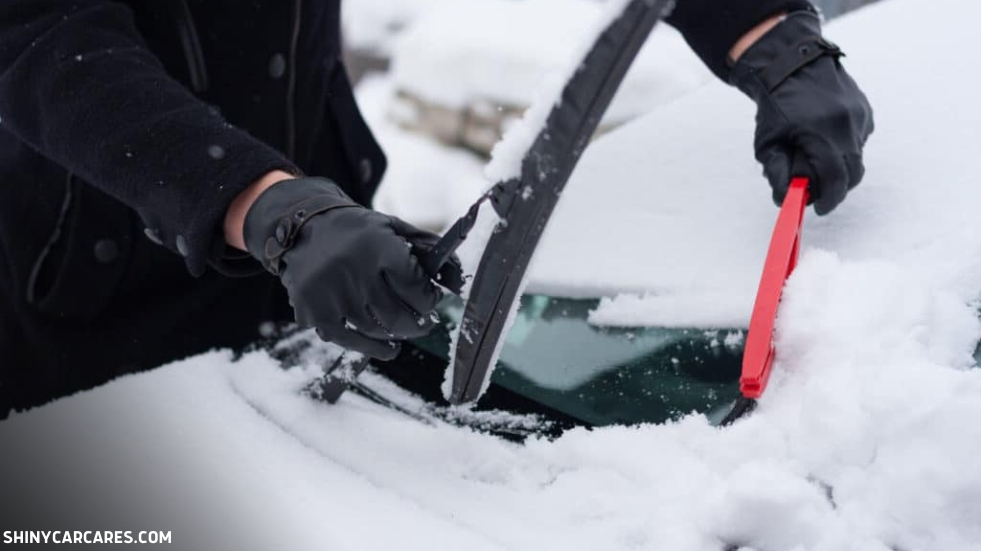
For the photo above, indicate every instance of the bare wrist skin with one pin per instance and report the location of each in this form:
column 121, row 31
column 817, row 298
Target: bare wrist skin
column 753, row 35
column 235, row 216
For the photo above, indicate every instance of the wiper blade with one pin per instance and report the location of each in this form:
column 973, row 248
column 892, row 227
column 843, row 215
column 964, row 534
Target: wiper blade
column 526, row 203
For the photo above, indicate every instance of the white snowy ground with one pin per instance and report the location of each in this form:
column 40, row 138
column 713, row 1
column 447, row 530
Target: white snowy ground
column 868, row 438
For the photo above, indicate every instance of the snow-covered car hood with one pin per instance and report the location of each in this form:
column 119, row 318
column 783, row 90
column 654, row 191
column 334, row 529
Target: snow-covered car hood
column 674, row 205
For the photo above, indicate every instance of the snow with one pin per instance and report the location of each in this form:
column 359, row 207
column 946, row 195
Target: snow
column 867, row 438
column 476, row 55
column 676, row 202
column 428, row 184
column 454, row 65
column 374, row 25
column 227, row 456
column 453, row 54
column 507, row 51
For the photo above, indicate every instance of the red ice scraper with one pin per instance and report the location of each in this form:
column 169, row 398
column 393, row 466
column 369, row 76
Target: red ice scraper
column 780, row 262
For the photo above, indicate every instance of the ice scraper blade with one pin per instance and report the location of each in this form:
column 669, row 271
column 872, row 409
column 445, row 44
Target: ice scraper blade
column 780, row 262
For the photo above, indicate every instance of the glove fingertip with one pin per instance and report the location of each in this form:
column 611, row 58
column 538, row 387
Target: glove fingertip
column 378, row 349
column 776, row 169
column 830, row 198
column 856, row 169
column 428, row 322
column 778, row 196
column 389, row 351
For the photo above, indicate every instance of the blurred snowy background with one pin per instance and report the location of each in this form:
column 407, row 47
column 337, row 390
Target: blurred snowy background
column 440, row 81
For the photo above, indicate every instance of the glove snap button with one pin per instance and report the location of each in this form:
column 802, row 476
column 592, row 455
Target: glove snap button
column 366, row 170
column 153, row 234
column 277, row 66
column 106, row 251
column 300, row 215
column 182, row 247
column 281, row 232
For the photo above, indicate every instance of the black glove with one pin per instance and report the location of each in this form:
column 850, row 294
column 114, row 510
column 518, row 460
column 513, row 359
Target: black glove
column 350, row 271
column 812, row 120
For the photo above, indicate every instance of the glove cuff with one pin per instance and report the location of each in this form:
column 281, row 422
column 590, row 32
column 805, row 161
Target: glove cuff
column 273, row 222
column 791, row 45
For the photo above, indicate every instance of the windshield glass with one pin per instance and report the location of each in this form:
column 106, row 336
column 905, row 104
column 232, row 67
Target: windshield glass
column 605, row 375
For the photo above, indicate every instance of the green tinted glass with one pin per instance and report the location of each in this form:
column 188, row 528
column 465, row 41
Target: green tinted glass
column 604, row 375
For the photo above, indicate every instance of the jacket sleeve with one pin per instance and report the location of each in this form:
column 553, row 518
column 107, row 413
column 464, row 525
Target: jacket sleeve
column 79, row 85
column 712, row 27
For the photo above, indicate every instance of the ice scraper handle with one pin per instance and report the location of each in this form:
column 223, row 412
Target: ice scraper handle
column 781, row 259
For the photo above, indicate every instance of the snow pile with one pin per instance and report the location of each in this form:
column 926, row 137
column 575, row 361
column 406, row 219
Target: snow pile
column 867, row 438
column 863, row 443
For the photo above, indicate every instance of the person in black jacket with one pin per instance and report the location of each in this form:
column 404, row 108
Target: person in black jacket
column 149, row 149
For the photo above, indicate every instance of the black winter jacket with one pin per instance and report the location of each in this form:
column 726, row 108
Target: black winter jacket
column 127, row 125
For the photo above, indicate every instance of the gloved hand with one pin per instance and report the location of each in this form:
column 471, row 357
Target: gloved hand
column 350, row 271
column 812, row 120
